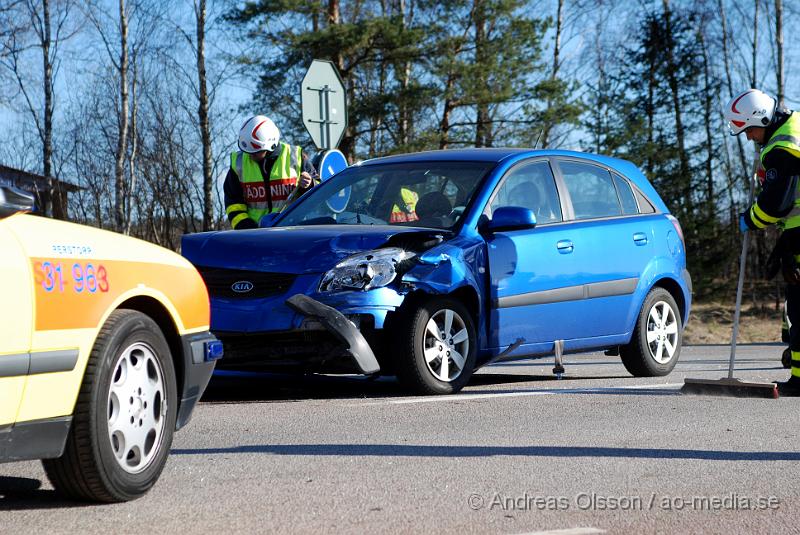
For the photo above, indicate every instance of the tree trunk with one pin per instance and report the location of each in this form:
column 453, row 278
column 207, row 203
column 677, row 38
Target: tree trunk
column 548, row 126
column 779, row 49
column 47, row 141
column 348, row 143
column 707, row 120
column 404, row 134
column 483, row 119
column 729, row 79
column 205, row 122
column 754, row 78
column 122, row 140
column 133, row 147
column 672, row 81
column 650, row 111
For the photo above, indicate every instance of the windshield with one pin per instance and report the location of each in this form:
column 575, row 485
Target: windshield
column 423, row 194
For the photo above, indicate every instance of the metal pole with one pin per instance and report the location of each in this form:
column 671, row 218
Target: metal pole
column 326, row 90
column 322, row 107
column 739, row 287
column 742, row 267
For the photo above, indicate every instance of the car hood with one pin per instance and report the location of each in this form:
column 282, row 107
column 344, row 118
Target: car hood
column 311, row 249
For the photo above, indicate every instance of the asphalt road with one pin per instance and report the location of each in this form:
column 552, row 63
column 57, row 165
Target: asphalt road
column 516, row 452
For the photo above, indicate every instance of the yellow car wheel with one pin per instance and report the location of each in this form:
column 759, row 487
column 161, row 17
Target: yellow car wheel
column 124, row 418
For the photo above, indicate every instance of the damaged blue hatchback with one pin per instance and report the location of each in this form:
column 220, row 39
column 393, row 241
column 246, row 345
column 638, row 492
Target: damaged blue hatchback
column 428, row 266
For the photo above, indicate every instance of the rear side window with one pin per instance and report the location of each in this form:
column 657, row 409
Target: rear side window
column 592, row 190
column 626, row 196
column 645, row 206
column 532, row 186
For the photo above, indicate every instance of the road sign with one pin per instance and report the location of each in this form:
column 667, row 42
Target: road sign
column 328, row 163
column 324, row 104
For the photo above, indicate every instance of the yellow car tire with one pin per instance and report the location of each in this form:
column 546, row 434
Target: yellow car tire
column 124, row 418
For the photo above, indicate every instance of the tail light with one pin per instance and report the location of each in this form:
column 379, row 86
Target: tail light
column 678, row 229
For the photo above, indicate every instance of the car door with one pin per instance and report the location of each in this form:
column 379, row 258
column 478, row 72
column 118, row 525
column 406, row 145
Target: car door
column 16, row 322
column 612, row 246
column 533, row 271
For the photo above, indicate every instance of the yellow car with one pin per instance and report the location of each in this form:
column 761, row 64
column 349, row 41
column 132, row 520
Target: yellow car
column 104, row 352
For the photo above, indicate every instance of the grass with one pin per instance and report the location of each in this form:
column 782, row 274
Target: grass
column 712, row 323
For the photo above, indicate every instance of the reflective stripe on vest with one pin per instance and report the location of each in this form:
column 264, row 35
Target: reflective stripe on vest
column 282, row 180
column 407, row 212
column 787, row 137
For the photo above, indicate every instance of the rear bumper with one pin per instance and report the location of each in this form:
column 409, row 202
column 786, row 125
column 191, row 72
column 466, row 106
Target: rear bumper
column 200, row 353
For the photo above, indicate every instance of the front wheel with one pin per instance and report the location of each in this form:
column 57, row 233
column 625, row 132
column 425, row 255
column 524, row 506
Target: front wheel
column 437, row 352
column 124, row 418
column 656, row 343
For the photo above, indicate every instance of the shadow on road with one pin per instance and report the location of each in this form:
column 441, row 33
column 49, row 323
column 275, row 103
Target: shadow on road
column 21, row 493
column 264, row 387
column 406, row 450
column 267, row 388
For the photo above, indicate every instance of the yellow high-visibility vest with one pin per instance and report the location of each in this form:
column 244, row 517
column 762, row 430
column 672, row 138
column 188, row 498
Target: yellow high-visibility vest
column 282, row 180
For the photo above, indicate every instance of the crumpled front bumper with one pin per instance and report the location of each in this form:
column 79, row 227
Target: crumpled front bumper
column 341, row 327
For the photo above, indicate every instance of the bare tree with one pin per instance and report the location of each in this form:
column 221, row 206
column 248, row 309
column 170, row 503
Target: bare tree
column 729, row 79
column 202, row 112
column 50, row 26
column 548, row 125
column 779, row 46
column 122, row 120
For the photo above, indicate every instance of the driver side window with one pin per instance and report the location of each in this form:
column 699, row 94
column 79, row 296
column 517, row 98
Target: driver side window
column 531, row 186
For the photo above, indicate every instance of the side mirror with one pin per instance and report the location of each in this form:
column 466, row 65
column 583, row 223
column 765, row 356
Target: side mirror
column 13, row 200
column 267, row 219
column 511, row 218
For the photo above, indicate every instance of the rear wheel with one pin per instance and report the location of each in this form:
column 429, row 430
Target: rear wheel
column 656, row 343
column 125, row 414
column 436, row 354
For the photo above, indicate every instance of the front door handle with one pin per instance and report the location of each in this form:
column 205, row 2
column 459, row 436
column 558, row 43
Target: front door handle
column 640, row 238
column 565, row 246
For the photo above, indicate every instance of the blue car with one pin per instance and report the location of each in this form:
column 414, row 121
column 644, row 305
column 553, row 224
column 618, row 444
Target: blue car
column 428, row 266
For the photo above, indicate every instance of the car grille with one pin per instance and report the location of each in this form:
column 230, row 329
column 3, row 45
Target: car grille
column 249, row 284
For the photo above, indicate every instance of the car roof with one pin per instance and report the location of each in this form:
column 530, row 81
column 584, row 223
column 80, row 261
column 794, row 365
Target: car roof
column 488, row 155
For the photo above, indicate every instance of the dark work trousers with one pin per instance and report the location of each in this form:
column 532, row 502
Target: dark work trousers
column 793, row 312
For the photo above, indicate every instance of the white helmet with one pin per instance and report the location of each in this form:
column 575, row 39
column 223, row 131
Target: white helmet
column 259, row 133
column 750, row 108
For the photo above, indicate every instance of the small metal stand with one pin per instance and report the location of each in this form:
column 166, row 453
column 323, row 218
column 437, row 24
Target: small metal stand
column 559, row 367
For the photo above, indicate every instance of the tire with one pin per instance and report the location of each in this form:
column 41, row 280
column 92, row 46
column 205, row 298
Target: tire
column 655, row 347
column 124, row 417
column 786, row 358
column 429, row 363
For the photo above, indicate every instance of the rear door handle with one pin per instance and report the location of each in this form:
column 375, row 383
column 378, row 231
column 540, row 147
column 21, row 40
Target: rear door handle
column 565, row 246
column 640, row 238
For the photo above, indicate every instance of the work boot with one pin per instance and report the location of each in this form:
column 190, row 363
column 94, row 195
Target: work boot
column 786, row 358
column 790, row 388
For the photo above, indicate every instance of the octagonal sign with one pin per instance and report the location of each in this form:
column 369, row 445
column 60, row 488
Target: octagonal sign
column 324, row 104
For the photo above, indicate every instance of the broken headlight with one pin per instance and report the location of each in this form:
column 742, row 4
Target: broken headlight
column 365, row 271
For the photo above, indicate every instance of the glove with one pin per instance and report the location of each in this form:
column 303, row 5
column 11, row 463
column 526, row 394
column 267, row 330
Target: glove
column 246, row 223
column 743, row 223
column 791, row 271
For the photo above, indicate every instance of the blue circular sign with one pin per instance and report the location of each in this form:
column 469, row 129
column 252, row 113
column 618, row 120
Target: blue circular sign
column 328, row 163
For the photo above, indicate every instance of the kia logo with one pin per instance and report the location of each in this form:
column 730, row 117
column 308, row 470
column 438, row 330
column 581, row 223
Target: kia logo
column 242, row 287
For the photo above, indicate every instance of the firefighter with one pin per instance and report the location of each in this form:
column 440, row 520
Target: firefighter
column 776, row 131
column 264, row 174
